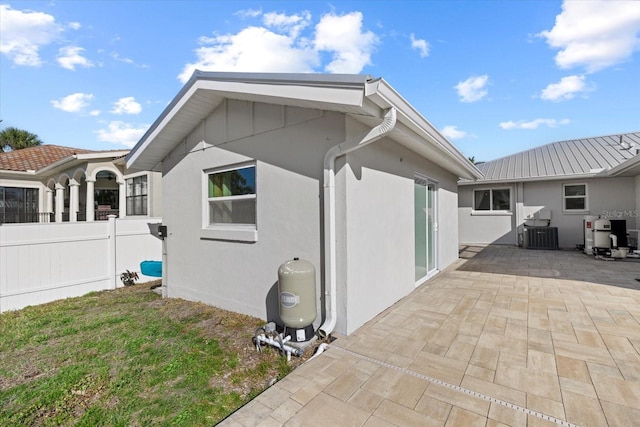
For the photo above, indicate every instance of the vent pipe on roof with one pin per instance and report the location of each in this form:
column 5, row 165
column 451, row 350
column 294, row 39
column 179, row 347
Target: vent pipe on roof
column 330, row 255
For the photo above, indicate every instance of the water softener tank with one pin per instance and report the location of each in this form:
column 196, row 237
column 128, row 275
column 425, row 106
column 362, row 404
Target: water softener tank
column 297, row 292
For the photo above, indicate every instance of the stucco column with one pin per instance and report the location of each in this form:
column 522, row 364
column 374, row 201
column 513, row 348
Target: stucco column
column 48, row 204
column 74, row 200
column 90, row 208
column 123, row 199
column 59, row 202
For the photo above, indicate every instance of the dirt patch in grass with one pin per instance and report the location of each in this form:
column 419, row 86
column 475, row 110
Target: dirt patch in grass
column 129, row 357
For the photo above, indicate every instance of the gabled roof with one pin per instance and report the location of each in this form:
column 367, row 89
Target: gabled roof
column 576, row 158
column 36, row 158
column 363, row 97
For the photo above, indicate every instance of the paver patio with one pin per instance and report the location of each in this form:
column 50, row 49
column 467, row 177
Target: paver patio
column 505, row 336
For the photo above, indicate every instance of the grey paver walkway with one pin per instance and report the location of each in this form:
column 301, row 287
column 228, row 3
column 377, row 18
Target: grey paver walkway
column 505, row 336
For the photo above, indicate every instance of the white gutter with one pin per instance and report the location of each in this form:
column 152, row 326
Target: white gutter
column 330, row 255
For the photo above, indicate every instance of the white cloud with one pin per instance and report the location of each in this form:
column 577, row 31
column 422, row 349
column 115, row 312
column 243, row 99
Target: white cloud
column 122, row 133
column 70, row 56
column 74, row 103
column 452, row 132
column 421, row 45
column 473, row 89
column 280, row 46
column 117, row 57
column 252, row 49
column 126, row 105
column 75, row 25
column 565, row 89
column 343, row 36
column 248, row 13
column 533, row 124
column 23, row 33
column 595, row 34
column 291, row 24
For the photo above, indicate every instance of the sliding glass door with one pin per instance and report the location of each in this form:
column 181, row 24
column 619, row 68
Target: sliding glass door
column 425, row 240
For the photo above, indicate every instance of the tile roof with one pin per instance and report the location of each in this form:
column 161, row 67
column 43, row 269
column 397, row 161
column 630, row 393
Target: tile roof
column 563, row 158
column 36, row 158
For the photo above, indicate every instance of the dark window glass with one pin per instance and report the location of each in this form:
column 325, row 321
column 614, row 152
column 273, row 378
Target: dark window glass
column 482, row 200
column 18, row 205
column 137, row 195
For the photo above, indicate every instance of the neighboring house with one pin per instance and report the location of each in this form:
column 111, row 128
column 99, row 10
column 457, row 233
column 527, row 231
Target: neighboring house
column 338, row 170
column 51, row 183
column 555, row 184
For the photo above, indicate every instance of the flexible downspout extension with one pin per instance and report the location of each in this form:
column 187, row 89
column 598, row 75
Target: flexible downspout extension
column 330, row 256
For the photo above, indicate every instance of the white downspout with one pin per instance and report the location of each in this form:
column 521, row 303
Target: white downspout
column 329, row 198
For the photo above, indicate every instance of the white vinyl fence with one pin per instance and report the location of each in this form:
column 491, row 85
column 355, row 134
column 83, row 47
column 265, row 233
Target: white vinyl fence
column 40, row 263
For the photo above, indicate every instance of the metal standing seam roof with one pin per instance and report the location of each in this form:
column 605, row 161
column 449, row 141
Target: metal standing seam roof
column 579, row 157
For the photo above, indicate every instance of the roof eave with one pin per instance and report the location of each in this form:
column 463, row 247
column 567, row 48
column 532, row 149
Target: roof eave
column 380, row 92
column 288, row 89
column 534, row 179
column 629, row 168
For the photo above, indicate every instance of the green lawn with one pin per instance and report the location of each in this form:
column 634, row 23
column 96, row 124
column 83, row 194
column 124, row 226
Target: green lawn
column 128, row 357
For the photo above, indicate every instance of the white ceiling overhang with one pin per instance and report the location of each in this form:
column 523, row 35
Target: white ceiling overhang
column 201, row 96
column 359, row 96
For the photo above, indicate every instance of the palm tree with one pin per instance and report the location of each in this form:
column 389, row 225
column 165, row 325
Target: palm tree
column 12, row 138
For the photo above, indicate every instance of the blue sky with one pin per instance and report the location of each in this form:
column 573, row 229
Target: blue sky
column 496, row 77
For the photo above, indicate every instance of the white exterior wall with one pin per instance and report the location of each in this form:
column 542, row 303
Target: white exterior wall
column 376, row 254
column 637, row 211
column 375, row 213
column 288, row 145
column 606, row 196
column 485, row 226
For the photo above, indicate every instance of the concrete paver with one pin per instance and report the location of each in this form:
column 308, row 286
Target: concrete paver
column 500, row 338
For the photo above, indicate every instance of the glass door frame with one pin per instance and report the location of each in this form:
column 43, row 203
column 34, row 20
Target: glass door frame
column 431, row 257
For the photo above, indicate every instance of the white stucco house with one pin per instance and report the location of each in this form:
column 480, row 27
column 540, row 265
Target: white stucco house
column 53, row 183
column 555, row 185
column 338, row 170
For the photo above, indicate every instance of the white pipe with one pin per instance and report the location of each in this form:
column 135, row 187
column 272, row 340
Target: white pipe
column 289, row 349
column 330, row 256
column 321, row 348
column 614, row 240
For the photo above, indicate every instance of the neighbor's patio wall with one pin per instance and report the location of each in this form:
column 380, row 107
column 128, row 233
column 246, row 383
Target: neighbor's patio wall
column 40, row 263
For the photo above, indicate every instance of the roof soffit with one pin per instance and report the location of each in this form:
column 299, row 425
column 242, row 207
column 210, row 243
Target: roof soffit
column 363, row 100
column 204, row 96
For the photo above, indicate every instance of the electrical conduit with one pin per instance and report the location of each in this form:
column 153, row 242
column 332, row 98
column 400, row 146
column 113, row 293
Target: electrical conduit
column 330, row 255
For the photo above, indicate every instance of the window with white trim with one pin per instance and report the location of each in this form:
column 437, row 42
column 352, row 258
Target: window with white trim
column 494, row 199
column 574, row 197
column 137, row 195
column 231, row 196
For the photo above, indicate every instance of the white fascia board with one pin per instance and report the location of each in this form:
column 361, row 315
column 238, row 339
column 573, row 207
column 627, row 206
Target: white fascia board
column 106, row 155
column 284, row 93
column 62, row 162
column 157, row 127
column 384, row 95
column 7, row 174
column 622, row 168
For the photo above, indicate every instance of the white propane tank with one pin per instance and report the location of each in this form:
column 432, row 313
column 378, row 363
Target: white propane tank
column 297, row 295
